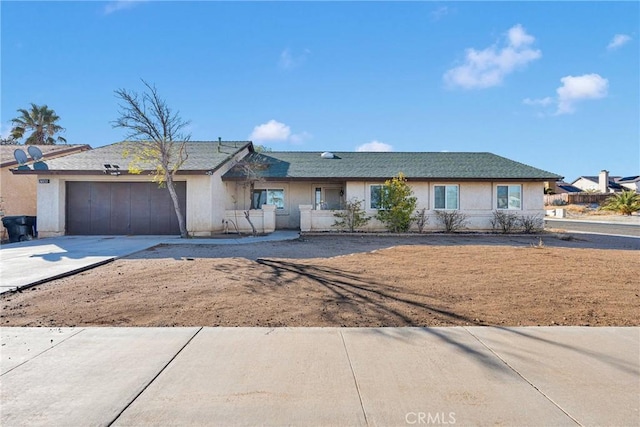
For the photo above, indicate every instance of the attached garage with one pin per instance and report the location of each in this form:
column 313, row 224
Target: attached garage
column 122, row 208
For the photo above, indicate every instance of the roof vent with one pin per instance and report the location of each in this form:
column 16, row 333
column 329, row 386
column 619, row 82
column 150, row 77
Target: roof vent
column 327, row 155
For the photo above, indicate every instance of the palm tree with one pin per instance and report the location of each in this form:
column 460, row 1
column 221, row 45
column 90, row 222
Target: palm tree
column 41, row 121
column 625, row 203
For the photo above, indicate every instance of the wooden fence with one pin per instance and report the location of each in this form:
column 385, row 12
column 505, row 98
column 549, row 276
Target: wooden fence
column 574, row 198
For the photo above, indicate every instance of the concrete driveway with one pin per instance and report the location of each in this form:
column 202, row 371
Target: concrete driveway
column 31, row 262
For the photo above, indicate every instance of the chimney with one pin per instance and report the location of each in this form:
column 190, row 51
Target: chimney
column 603, row 181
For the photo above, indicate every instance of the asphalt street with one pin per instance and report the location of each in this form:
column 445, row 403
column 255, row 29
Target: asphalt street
column 619, row 229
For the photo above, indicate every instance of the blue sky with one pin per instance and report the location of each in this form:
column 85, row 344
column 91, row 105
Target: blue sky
column 551, row 84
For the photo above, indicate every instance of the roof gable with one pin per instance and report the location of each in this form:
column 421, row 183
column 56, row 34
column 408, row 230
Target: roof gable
column 289, row 165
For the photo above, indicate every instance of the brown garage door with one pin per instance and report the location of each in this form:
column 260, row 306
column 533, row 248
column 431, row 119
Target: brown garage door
column 119, row 208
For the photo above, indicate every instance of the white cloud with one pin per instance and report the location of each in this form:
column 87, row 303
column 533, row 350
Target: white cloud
column 115, row 6
column 618, row 41
column 276, row 131
column 271, row 131
column 573, row 90
column 542, row 101
column 488, row 67
column 374, row 146
column 288, row 60
column 578, row 88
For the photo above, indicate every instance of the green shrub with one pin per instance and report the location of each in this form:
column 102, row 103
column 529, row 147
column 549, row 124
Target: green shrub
column 397, row 204
column 624, row 203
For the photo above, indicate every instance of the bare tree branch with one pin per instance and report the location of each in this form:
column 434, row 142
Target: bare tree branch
column 160, row 144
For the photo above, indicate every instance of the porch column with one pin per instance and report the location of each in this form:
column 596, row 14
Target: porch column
column 269, row 219
column 305, row 217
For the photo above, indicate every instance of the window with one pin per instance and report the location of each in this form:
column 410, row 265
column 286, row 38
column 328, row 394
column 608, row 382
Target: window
column 318, row 198
column 446, row 197
column 267, row 197
column 509, row 197
column 330, row 198
column 374, row 200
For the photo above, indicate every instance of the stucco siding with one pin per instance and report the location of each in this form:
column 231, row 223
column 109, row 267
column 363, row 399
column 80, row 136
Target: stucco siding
column 477, row 201
column 51, row 208
column 199, row 202
column 476, row 196
column 18, row 193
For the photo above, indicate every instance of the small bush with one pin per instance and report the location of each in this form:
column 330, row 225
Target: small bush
column 539, row 245
column 452, row 220
column 506, row 222
column 531, row 223
column 421, row 219
column 352, row 217
column 559, row 202
column 397, row 204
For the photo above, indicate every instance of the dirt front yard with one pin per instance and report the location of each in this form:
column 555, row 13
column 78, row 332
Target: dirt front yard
column 432, row 280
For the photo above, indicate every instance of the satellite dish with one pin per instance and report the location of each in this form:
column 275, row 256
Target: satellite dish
column 21, row 157
column 34, row 152
column 40, row 166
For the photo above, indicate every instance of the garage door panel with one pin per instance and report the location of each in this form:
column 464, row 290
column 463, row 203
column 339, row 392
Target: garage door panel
column 100, row 204
column 120, row 214
column 165, row 214
column 121, row 208
column 141, row 206
column 78, row 199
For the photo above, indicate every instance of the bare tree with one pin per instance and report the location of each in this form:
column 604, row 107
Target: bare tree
column 160, row 141
column 250, row 169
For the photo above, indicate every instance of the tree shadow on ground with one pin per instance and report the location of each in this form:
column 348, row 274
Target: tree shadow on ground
column 375, row 301
column 535, row 334
column 357, row 293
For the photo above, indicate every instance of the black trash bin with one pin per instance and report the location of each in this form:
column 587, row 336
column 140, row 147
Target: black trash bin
column 20, row 227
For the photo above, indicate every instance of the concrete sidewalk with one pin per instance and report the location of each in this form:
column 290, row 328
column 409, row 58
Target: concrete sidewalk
column 27, row 263
column 320, row 376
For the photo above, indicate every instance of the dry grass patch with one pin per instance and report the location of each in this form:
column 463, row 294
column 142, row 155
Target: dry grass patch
column 415, row 285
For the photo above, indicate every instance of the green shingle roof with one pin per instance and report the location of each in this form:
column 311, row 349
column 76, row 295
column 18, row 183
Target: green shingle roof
column 301, row 165
column 375, row 165
column 203, row 156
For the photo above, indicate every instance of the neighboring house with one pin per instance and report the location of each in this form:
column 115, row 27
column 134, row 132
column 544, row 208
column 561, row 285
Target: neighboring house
column 630, row 183
column 561, row 187
column 18, row 193
column 279, row 190
column 603, row 183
